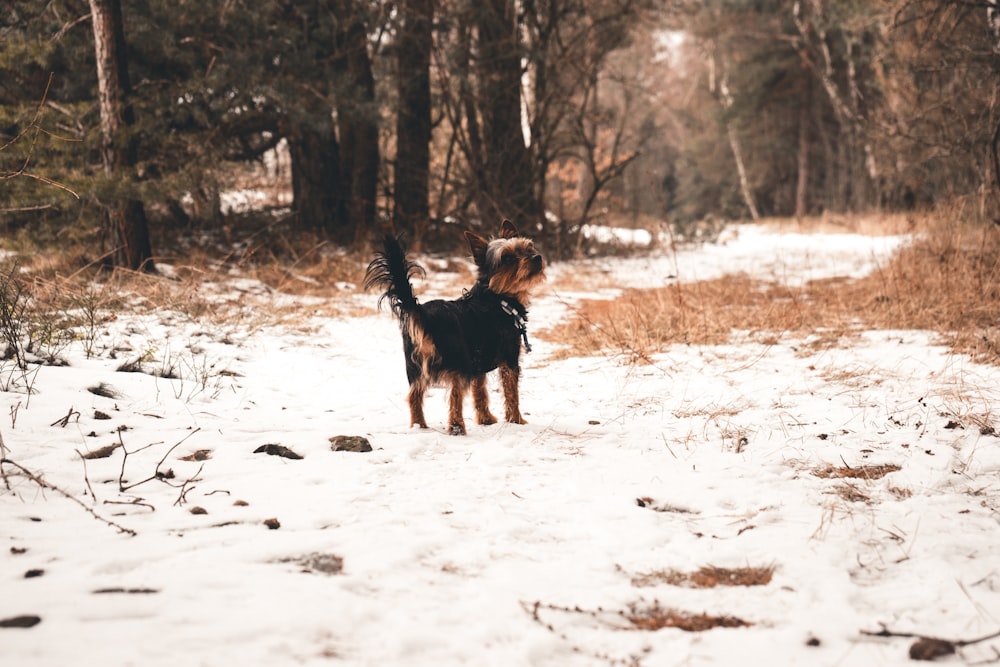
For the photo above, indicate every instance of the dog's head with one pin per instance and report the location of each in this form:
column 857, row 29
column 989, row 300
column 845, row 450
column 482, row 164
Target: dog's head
column 509, row 264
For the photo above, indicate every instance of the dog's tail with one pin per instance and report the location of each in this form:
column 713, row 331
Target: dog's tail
column 391, row 272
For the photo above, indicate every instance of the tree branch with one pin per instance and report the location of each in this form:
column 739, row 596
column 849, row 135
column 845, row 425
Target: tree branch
column 45, row 485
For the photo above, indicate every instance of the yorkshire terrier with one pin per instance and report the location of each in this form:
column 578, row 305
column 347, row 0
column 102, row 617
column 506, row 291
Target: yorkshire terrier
column 458, row 342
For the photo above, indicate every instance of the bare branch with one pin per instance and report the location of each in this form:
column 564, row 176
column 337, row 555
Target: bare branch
column 46, row 485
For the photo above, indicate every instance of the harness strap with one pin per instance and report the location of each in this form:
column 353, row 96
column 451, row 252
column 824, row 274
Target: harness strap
column 520, row 315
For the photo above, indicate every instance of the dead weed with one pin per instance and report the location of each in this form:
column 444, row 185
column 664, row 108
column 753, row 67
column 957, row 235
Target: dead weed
column 868, row 472
column 652, row 617
column 708, row 576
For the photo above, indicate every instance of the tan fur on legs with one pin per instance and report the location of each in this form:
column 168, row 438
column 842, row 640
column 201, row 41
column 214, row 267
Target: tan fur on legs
column 456, row 423
column 481, row 400
column 416, row 400
column 509, row 379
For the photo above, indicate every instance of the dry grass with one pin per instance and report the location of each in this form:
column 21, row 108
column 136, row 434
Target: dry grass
column 707, row 576
column 868, row 472
column 641, row 615
column 199, row 286
column 851, row 493
column 652, row 617
column 947, row 281
column 644, row 321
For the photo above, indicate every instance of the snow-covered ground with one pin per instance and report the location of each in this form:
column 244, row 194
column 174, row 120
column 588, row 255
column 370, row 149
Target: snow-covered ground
column 516, row 545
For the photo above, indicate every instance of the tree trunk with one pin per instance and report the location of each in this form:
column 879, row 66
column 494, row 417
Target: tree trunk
column 319, row 196
column 413, row 119
column 507, row 165
column 859, row 157
column 734, row 144
column 126, row 229
column 466, row 108
column 802, row 185
column 357, row 115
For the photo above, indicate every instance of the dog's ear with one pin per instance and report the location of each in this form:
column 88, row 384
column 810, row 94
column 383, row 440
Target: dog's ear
column 507, row 229
column 478, row 245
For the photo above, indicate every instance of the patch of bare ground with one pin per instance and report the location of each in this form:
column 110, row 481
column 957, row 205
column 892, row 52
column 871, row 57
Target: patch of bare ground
column 850, row 490
column 652, row 617
column 868, row 472
column 947, row 281
column 640, row 615
column 708, row 576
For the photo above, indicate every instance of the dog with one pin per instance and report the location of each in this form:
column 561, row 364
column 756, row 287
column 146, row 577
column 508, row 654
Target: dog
column 458, row 342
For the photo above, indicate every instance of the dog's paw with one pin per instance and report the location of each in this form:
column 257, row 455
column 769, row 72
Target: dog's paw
column 486, row 420
column 516, row 419
column 457, row 429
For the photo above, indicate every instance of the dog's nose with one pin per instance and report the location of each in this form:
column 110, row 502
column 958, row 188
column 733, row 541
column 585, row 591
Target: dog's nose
column 537, row 262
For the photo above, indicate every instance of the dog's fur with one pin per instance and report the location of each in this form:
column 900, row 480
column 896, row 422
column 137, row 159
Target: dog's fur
column 458, row 342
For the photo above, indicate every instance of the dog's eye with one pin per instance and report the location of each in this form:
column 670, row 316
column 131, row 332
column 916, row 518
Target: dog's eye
column 507, row 260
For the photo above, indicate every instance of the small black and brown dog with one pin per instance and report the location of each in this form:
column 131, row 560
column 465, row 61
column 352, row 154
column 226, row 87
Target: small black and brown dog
column 458, row 342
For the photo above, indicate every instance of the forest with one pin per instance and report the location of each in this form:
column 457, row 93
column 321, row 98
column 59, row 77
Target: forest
column 126, row 123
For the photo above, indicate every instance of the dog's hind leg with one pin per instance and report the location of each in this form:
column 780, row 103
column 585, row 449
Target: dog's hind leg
column 482, row 401
column 456, row 423
column 416, row 400
column 509, row 377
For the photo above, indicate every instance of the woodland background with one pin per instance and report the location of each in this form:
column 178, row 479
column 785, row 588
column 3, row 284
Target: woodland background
column 125, row 123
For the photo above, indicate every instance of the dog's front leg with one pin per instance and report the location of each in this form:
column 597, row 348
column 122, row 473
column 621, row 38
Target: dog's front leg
column 509, row 377
column 482, row 401
column 456, row 423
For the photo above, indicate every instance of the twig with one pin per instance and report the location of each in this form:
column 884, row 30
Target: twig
column 3, row 456
column 34, row 128
column 182, row 498
column 13, row 416
column 64, row 421
column 929, row 648
column 126, row 453
column 135, row 501
column 664, row 438
column 45, row 485
column 86, row 477
column 162, row 476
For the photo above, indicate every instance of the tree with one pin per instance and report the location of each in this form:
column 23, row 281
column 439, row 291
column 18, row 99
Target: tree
column 411, row 208
column 357, row 116
column 125, row 227
column 506, row 162
column 941, row 90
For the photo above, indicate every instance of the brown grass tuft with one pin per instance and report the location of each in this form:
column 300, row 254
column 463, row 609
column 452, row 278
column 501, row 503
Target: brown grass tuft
column 707, row 576
column 946, row 281
column 851, row 493
column 856, row 472
column 652, row 617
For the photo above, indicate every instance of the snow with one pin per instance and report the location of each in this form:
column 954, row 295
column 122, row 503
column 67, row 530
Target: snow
column 516, row 545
